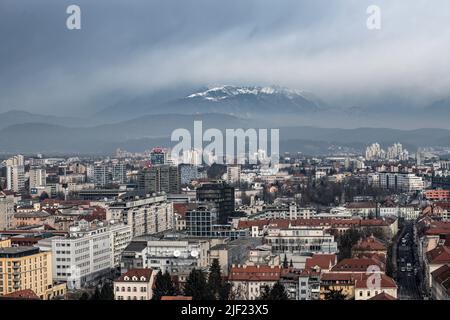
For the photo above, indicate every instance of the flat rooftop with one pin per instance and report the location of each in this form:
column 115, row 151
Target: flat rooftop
column 17, row 252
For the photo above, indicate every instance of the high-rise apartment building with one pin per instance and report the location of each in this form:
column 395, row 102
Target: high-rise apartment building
column 6, row 211
column 15, row 173
column 37, row 178
column 159, row 178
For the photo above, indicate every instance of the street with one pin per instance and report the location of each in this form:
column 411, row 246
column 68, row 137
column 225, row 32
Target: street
column 408, row 273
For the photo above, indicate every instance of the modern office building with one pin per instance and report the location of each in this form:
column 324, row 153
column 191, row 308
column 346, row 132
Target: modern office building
column 88, row 253
column 219, row 193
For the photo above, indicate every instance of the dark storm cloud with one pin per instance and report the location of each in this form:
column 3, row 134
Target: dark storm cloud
column 134, row 47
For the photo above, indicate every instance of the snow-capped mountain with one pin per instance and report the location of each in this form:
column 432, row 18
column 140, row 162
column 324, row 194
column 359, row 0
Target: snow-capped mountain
column 247, row 100
column 241, row 101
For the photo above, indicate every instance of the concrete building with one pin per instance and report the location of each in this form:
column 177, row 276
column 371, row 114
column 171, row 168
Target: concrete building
column 15, row 174
column 234, row 174
column 88, row 253
column 159, row 178
column 407, row 182
column 145, row 214
column 37, row 178
column 300, row 240
column 6, row 211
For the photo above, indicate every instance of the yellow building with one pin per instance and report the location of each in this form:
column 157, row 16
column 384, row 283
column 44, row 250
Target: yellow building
column 28, row 268
column 5, row 243
column 337, row 281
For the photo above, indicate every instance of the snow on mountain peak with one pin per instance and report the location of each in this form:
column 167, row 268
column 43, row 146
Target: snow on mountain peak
column 227, row 91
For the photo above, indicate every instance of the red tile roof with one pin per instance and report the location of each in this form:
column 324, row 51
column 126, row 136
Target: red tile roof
column 323, row 261
column 359, row 280
column 357, row 265
column 442, row 276
column 369, row 244
column 363, row 281
column 439, row 255
column 331, row 223
column 26, row 294
column 138, row 273
column 255, row 273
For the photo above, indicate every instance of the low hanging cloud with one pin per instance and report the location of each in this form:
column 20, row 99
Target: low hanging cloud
column 135, row 47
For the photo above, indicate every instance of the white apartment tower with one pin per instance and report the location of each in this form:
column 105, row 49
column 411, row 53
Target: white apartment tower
column 15, row 173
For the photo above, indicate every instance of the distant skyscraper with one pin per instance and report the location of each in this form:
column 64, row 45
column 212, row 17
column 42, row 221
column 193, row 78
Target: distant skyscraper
column 219, row 193
column 15, row 173
column 37, row 178
column 159, row 178
column 102, row 175
column 233, row 174
column 158, row 156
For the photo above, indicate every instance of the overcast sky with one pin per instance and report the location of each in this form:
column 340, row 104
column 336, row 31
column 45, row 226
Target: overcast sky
column 133, row 47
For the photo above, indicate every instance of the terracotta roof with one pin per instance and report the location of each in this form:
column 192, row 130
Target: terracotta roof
column 362, row 281
column 180, row 208
column 255, row 273
column 370, row 244
column 383, row 296
column 332, row 223
column 26, row 294
column 439, row 255
column 323, row 261
column 337, row 276
column 442, row 276
column 142, row 275
column 357, row 265
column 175, row 298
column 361, row 205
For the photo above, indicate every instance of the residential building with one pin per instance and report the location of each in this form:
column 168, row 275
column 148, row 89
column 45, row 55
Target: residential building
column 6, row 211
column 248, row 282
column 145, row 214
column 28, row 268
column 15, row 174
column 159, row 178
column 135, row 284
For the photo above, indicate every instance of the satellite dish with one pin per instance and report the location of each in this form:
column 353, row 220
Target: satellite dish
column 176, row 253
column 194, row 253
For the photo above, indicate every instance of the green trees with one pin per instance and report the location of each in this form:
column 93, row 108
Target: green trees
column 346, row 242
column 196, row 286
column 163, row 286
column 212, row 287
column 218, row 288
column 277, row 292
column 106, row 292
column 335, row 295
